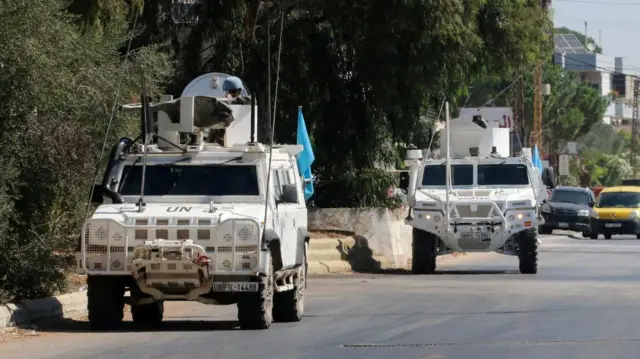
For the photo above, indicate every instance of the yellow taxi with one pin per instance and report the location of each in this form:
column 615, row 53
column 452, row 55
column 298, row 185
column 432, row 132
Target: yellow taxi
column 616, row 211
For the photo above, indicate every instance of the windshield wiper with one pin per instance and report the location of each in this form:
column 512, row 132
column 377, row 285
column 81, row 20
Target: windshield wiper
column 183, row 159
column 180, row 160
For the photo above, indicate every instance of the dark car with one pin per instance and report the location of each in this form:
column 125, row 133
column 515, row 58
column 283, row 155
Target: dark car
column 567, row 208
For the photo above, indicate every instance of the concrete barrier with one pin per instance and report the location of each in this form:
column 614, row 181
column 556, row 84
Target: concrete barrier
column 380, row 229
column 64, row 306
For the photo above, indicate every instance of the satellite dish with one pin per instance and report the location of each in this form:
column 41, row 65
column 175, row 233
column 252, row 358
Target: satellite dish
column 591, row 47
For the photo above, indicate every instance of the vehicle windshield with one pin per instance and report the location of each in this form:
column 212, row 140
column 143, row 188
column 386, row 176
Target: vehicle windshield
column 502, row 175
column 191, row 180
column 619, row 200
column 575, row 197
column 435, row 175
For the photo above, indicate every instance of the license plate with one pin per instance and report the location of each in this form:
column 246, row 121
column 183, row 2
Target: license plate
column 478, row 236
column 563, row 225
column 613, row 225
column 235, row 286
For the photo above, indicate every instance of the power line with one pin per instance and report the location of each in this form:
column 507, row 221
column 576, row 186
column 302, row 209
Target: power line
column 590, row 65
column 607, row 21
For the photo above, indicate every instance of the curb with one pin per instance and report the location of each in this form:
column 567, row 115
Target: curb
column 58, row 307
column 337, row 266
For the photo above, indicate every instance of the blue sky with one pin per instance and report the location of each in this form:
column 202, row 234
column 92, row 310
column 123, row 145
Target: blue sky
column 615, row 22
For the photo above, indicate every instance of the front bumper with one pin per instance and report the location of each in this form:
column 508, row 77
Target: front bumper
column 615, row 226
column 574, row 223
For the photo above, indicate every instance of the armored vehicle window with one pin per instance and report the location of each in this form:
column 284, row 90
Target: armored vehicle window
column 284, row 178
column 191, row 180
column 277, row 183
column 570, row 196
column 619, row 200
column 291, row 176
column 502, row 175
column 461, row 175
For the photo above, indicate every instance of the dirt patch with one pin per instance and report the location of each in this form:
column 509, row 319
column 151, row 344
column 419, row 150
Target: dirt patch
column 12, row 333
column 76, row 282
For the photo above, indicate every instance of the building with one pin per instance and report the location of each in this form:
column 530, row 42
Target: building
column 604, row 73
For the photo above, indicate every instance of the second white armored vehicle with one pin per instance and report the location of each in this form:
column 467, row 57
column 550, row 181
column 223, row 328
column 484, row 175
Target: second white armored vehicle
column 475, row 199
column 219, row 219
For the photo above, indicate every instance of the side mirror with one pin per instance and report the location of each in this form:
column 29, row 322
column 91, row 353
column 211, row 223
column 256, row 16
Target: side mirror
column 100, row 193
column 289, row 194
column 544, row 201
column 591, row 204
column 404, row 181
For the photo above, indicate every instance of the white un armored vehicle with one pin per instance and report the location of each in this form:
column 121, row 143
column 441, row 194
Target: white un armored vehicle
column 195, row 220
column 488, row 203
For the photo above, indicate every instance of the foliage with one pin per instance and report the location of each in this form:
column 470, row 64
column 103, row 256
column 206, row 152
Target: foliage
column 369, row 74
column 365, row 72
column 570, row 111
column 57, row 86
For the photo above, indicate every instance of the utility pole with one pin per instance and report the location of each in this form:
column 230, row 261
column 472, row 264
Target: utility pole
column 537, row 106
column 537, row 90
column 635, row 126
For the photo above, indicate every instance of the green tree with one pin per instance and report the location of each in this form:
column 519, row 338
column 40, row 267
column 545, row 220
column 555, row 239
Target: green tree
column 367, row 73
column 58, row 86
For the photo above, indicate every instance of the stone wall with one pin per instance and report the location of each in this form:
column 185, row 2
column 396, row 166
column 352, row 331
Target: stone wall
column 382, row 229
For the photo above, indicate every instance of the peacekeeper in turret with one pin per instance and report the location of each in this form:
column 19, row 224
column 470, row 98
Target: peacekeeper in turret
column 233, row 87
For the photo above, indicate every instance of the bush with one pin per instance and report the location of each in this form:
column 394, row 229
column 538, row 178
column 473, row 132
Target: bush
column 58, row 85
column 356, row 188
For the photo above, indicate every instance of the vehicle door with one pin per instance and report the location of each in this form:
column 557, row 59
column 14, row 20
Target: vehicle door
column 290, row 211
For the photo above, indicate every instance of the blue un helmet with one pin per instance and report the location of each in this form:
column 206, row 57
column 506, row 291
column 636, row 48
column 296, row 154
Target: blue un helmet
column 232, row 83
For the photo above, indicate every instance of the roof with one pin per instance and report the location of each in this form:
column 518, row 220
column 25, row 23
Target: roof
column 573, row 189
column 621, row 189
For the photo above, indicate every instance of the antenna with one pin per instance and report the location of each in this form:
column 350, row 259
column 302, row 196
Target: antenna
column 252, row 138
column 273, row 122
column 146, row 133
column 447, row 164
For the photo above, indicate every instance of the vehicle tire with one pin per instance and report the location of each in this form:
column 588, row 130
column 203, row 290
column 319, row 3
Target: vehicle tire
column 586, row 235
column 545, row 230
column 593, row 235
column 148, row 314
column 255, row 310
column 528, row 252
column 637, row 236
column 105, row 297
column 608, row 236
column 424, row 252
column 289, row 306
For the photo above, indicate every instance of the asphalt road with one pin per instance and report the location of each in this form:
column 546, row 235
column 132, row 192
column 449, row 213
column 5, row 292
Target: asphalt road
column 583, row 303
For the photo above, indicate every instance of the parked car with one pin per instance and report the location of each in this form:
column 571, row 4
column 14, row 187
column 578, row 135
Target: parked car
column 567, row 208
column 617, row 211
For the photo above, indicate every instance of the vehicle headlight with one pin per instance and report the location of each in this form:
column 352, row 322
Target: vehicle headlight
column 546, row 208
column 634, row 214
column 583, row 212
column 431, row 217
column 519, row 216
column 594, row 215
